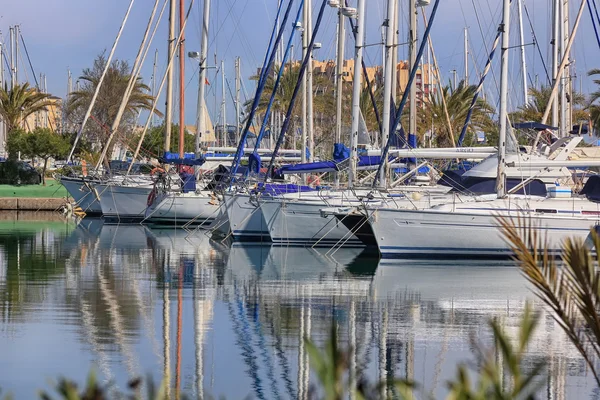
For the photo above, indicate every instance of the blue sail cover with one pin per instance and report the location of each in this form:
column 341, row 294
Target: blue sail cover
column 188, row 159
column 254, row 163
column 340, row 152
column 316, row 167
column 275, row 189
column 591, row 189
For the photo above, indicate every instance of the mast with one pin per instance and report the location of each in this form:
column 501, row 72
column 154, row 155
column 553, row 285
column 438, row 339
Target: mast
column 523, row 59
column 501, row 180
column 562, row 93
column 339, row 88
column 309, row 90
column 181, row 79
column 171, row 51
column 202, row 76
column 223, row 104
column 69, row 81
column 555, row 59
column 1, row 66
column 11, row 31
column 394, row 65
column 154, row 81
column 411, row 66
column 305, row 36
column 46, row 120
column 466, row 57
column 17, row 55
column 390, row 71
column 238, row 85
column 356, row 89
column 567, row 72
column 561, row 67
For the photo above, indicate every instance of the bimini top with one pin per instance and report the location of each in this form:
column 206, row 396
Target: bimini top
column 534, row 126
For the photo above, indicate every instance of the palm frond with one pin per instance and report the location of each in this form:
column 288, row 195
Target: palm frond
column 571, row 293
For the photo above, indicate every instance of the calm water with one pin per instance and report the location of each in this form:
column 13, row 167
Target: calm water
column 228, row 321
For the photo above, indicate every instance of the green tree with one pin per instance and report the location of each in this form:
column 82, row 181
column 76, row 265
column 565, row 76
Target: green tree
column 154, row 141
column 108, row 100
column 42, row 143
column 19, row 103
column 458, row 102
column 594, row 108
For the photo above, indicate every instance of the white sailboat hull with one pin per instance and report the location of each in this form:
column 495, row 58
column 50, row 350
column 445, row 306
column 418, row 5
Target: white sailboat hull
column 178, row 208
column 301, row 224
column 84, row 194
column 471, row 232
column 246, row 219
column 123, row 203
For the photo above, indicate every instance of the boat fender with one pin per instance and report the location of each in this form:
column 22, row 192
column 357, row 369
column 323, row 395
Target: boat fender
column 151, row 197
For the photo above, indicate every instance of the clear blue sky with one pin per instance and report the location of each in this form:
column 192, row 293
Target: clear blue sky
column 63, row 34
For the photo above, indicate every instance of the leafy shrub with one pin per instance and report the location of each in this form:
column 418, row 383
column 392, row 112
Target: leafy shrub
column 13, row 172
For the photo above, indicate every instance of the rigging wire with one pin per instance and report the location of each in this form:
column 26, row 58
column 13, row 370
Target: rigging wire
column 593, row 22
column 37, row 85
column 537, row 43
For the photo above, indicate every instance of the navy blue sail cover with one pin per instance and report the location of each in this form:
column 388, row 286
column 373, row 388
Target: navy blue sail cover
column 591, row 189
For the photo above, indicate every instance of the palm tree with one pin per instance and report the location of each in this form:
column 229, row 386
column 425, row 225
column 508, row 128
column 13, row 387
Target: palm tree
column 109, row 99
column 538, row 101
column 19, row 103
column 594, row 109
column 458, row 102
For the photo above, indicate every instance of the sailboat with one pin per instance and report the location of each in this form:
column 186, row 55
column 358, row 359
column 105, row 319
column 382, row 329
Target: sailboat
column 471, row 228
column 172, row 203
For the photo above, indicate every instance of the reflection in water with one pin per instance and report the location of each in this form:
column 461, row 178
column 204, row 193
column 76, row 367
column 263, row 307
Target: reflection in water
column 114, row 297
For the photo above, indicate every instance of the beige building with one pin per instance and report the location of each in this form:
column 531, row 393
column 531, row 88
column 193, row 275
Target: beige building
column 50, row 118
column 375, row 74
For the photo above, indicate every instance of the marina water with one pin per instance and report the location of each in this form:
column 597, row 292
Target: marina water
column 228, row 320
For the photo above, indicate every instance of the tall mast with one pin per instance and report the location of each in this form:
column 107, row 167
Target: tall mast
column 390, row 71
column 169, row 106
column 309, row 90
column 223, row 104
column 523, row 59
column 46, row 120
column 202, row 76
column 17, row 55
column 466, row 57
column 411, row 65
column 11, row 31
column 561, row 85
column 305, row 39
column 567, row 72
column 154, row 80
column 69, row 82
column 339, row 83
column 555, row 58
column 238, row 85
column 501, row 180
column 181, row 79
column 394, row 20
column 356, row 89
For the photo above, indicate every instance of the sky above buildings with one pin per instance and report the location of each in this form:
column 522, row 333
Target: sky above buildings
column 63, row 35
